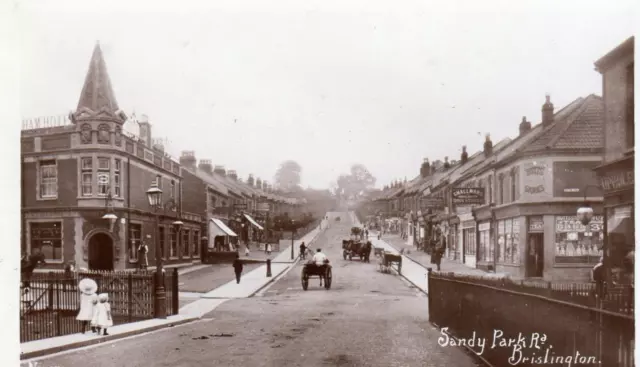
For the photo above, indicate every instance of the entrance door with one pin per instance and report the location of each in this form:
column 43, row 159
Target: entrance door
column 535, row 255
column 100, row 252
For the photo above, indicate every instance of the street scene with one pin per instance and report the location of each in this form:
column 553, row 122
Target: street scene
column 327, row 184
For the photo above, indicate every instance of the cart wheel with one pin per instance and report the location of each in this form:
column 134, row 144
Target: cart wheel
column 328, row 278
column 305, row 280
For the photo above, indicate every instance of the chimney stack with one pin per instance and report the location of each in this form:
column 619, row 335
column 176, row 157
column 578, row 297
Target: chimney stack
column 259, row 183
column 447, row 165
column 250, row 180
column 464, row 157
column 547, row 112
column 218, row 169
column 206, row 166
column 425, row 169
column 488, row 146
column 188, row 160
column 525, row 126
column 232, row 174
column 265, row 186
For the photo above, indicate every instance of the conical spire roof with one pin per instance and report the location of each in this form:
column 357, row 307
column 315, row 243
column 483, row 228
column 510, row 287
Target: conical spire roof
column 97, row 100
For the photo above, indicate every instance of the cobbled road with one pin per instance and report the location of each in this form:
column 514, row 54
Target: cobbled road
column 366, row 319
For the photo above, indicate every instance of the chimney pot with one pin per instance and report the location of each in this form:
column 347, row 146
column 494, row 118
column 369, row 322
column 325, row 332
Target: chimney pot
column 188, row 160
column 488, row 146
column 464, row 156
column 525, row 126
column 205, row 165
column 547, row 111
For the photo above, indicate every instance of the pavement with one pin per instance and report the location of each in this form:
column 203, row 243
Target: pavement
column 367, row 318
column 194, row 305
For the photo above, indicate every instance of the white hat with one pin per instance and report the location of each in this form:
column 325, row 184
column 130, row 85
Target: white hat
column 88, row 286
column 103, row 297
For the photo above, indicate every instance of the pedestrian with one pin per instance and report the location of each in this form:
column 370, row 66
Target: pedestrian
column 598, row 276
column 268, row 249
column 68, row 276
column 88, row 288
column 303, row 250
column 237, row 268
column 103, row 314
column 246, row 250
column 143, row 249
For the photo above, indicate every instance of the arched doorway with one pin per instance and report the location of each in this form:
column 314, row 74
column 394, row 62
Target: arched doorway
column 100, row 252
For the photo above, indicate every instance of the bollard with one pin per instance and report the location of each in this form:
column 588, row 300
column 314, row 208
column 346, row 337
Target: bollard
column 268, row 268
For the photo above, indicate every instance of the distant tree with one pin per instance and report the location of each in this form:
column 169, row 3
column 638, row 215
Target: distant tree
column 287, row 177
column 356, row 183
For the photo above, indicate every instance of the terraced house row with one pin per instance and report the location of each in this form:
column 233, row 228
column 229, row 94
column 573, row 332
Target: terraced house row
column 512, row 206
column 84, row 184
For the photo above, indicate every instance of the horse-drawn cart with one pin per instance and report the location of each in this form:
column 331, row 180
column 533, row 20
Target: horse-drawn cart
column 387, row 259
column 323, row 272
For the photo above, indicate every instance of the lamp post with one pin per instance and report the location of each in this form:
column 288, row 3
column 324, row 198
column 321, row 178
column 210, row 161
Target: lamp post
column 584, row 215
column 154, row 194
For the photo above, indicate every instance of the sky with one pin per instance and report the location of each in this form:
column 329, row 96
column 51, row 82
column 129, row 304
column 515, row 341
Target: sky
column 250, row 84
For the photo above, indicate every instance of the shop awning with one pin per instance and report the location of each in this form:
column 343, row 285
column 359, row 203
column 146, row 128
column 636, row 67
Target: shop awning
column 218, row 228
column 253, row 221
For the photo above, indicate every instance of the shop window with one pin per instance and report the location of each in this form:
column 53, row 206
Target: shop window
column 196, row 243
column 46, row 238
column 173, row 248
column 576, row 243
column 469, row 238
column 135, row 238
column 508, row 241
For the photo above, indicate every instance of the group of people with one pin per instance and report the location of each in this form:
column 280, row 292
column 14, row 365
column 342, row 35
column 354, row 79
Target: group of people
column 95, row 310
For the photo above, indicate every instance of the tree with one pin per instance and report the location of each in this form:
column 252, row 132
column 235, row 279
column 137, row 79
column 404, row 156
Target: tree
column 287, row 178
column 356, row 183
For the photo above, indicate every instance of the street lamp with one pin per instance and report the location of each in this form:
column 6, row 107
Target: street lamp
column 154, row 194
column 584, row 215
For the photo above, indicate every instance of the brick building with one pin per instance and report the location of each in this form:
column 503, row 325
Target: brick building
column 617, row 171
column 85, row 167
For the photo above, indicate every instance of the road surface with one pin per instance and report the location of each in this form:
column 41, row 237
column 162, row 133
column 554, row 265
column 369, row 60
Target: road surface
column 366, row 319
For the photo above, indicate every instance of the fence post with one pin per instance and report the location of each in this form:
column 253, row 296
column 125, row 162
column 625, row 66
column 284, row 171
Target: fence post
column 57, row 310
column 130, row 296
column 50, row 289
column 175, row 299
column 429, row 293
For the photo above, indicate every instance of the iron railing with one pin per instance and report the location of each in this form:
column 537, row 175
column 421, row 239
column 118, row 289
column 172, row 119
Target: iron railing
column 50, row 306
column 568, row 329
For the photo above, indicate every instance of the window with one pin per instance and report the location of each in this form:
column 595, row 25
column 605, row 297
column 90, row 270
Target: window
column 103, row 176
column 485, row 245
column 116, row 177
column 46, row 238
column 515, row 184
column 135, row 237
column 490, row 189
column 630, row 108
column 162, row 242
column 86, row 165
column 196, row 243
column 185, row 243
column 501, row 189
column 509, row 241
column 173, row 250
column 173, row 189
column 48, row 179
column 576, row 243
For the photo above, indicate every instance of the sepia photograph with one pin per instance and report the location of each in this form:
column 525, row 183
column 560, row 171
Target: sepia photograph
column 319, row 183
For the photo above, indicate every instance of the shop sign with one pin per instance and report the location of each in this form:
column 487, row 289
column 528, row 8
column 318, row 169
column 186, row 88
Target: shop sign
column 536, row 225
column 536, row 180
column 484, row 226
column 432, row 202
column 572, row 224
column 467, row 196
column 617, row 180
column 571, row 178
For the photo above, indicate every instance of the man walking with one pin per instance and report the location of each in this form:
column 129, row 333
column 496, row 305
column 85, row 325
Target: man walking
column 237, row 268
column 597, row 273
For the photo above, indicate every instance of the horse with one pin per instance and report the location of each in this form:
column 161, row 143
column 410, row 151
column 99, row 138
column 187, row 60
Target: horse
column 27, row 265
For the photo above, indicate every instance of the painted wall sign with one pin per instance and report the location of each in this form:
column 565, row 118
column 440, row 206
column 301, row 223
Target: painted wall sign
column 467, row 196
column 432, row 202
column 484, row 226
column 572, row 224
column 536, row 180
column 571, row 178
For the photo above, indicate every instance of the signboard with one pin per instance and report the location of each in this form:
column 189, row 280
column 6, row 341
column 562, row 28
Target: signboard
column 432, row 202
column 263, row 207
column 103, row 179
column 240, row 206
column 617, row 180
column 565, row 224
column 536, row 224
column 467, row 196
column 537, row 180
column 571, row 178
column 484, row 226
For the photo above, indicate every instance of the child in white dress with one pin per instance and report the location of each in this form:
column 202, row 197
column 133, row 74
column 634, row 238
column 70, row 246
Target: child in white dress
column 88, row 299
column 103, row 316
column 94, row 317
